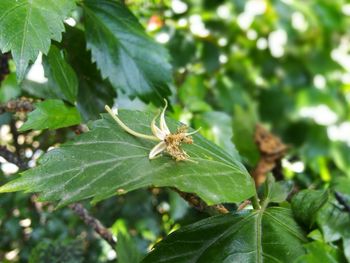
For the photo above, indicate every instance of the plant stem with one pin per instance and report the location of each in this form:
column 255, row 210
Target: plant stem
column 255, row 202
column 200, row 205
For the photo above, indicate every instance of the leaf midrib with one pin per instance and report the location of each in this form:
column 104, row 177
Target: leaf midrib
column 25, row 28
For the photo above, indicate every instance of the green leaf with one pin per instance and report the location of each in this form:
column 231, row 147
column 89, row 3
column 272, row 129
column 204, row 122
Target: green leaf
column 267, row 235
column 307, row 203
column 26, row 27
column 93, row 93
column 341, row 157
column 333, row 221
column 124, row 53
column 9, row 88
column 51, row 114
column 126, row 249
column 244, row 122
column 341, row 184
column 61, row 75
column 320, row 252
column 38, row 90
column 275, row 192
column 107, row 160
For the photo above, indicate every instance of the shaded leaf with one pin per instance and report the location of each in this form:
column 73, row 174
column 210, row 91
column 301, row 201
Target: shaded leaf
column 275, row 192
column 93, row 92
column 51, row 114
column 341, row 157
column 307, row 203
column 333, row 221
column 244, row 122
column 269, row 235
column 39, row 90
column 27, row 28
column 107, row 159
column 61, row 76
column 124, row 53
column 126, row 249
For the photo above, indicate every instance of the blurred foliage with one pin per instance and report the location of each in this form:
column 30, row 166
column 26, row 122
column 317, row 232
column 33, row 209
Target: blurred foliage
column 285, row 64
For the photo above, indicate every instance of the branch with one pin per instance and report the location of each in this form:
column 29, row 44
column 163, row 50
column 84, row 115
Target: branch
column 89, row 220
column 200, row 205
column 12, row 158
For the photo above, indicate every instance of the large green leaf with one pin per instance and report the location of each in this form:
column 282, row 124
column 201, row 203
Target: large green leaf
column 26, row 27
column 108, row 160
column 61, row 76
column 267, row 235
column 124, row 53
column 51, row 114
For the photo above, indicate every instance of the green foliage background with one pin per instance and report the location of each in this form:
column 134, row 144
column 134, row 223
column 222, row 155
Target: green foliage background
column 224, row 66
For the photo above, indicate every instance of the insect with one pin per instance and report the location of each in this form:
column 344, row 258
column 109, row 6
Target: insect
column 167, row 141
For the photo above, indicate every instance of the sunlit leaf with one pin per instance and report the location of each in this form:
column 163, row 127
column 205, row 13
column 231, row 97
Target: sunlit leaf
column 51, row 114
column 107, row 160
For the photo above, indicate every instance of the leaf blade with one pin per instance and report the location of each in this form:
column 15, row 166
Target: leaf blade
column 107, row 159
column 61, row 75
column 243, row 237
column 28, row 26
column 124, row 53
column 51, row 114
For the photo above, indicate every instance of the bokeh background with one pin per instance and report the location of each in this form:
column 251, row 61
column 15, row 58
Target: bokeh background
column 285, row 64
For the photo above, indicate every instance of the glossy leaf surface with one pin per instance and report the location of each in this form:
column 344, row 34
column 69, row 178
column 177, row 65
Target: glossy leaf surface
column 108, row 160
column 269, row 235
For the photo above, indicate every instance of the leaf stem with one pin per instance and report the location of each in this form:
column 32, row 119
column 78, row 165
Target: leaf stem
column 255, row 202
column 127, row 129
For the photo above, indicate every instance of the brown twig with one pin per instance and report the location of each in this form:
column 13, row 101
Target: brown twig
column 17, row 105
column 243, row 205
column 271, row 149
column 89, row 220
column 200, row 205
column 13, row 158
